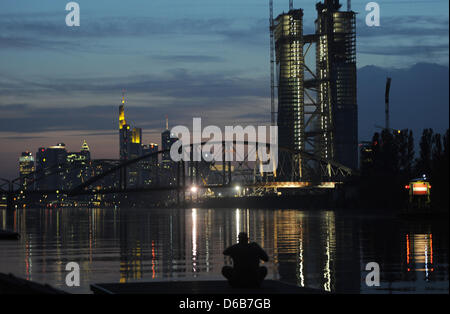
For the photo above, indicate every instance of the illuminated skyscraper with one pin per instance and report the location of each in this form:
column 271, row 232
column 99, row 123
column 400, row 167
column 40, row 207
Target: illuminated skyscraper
column 26, row 169
column 85, row 150
column 288, row 32
column 79, row 166
column 150, row 165
column 136, row 136
column 289, row 57
column 125, row 134
column 130, row 141
column 336, row 82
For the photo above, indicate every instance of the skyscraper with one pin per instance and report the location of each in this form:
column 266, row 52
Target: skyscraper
column 288, row 33
column 167, row 140
column 151, row 148
column 130, row 141
column 317, row 112
column 51, row 165
column 79, row 166
column 289, row 58
column 124, row 132
column 85, row 151
column 150, row 165
column 336, row 82
column 26, row 169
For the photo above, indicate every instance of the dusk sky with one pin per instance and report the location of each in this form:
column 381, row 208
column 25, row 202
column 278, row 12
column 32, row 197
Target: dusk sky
column 199, row 58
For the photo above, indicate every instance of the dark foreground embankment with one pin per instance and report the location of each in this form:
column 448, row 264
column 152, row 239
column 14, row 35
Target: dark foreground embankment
column 10, row 284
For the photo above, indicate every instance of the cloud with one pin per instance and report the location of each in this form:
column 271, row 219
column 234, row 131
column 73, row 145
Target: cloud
column 220, row 99
column 419, row 50
column 16, row 42
column 174, row 83
column 418, row 37
column 180, row 93
column 404, row 40
column 29, row 31
column 413, row 26
column 187, row 58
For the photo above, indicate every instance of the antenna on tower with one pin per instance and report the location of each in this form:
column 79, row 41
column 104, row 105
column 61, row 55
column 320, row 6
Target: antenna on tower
column 349, row 5
column 123, row 95
column 291, row 5
column 167, row 122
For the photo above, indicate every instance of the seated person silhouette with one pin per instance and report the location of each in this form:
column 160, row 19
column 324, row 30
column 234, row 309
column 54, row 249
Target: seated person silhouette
column 246, row 272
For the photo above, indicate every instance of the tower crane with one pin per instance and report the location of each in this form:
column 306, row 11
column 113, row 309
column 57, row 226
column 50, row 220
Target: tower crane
column 386, row 102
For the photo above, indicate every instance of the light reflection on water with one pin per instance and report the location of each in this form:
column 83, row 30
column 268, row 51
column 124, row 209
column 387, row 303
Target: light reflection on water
column 317, row 249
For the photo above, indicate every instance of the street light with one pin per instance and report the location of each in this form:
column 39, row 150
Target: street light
column 194, row 189
column 238, row 190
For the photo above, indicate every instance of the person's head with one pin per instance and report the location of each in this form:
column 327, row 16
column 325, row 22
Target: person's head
column 242, row 237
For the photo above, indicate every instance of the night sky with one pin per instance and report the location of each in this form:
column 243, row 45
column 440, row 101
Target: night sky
column 199, row 58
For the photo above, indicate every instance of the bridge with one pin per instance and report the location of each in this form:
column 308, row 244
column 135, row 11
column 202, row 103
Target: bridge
column 150, row 175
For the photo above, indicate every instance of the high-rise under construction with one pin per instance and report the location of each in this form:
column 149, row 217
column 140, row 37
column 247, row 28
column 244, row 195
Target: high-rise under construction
column 336, row 83
column 328, row 126
column 288, row 33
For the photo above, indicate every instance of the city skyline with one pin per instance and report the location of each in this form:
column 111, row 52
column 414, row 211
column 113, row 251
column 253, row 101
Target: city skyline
column 224, row 61
column 219, row 148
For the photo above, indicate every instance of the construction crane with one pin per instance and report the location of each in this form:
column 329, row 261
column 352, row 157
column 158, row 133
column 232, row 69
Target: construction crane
column 386, row 102
column 291, row 5
column 272, row 65
column 386, row 109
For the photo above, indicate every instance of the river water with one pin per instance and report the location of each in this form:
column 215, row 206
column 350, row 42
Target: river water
column 317, row 248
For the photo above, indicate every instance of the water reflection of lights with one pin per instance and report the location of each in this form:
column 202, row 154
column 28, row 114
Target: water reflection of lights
column 207, row 242
column 419, row 253
column 194, row 240
column 28, row 260
column 238, row 223
column 153, row 260
column 300, row 257
column 329, row 249
column 123, row 272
